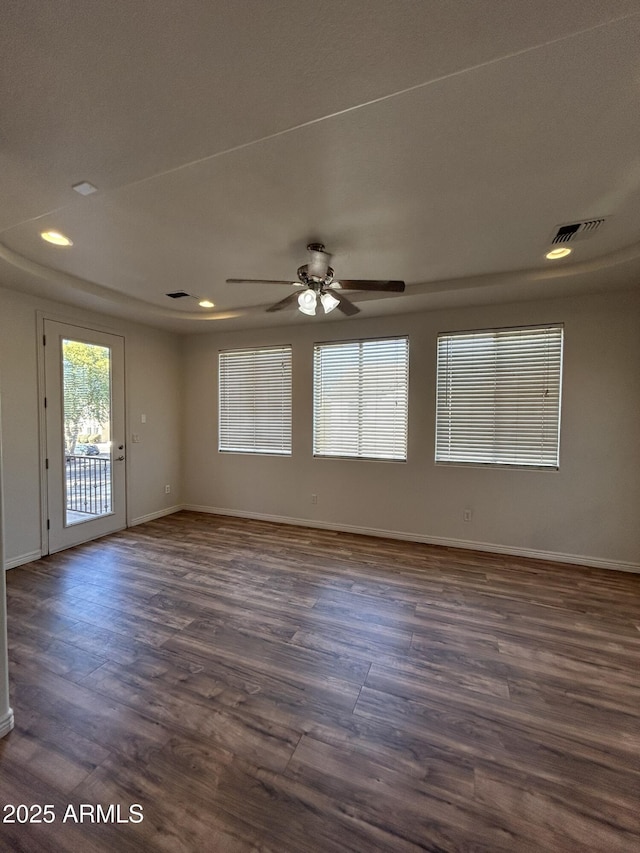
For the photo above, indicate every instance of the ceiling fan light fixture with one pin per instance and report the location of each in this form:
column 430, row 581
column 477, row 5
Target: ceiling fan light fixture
column 329, row 302
column 307, row 302
column 316, row 279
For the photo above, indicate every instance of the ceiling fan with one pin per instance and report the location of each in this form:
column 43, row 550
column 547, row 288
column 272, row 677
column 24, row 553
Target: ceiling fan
column 317, row 279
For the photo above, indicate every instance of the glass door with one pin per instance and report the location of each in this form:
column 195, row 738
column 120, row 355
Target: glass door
column 85, row 449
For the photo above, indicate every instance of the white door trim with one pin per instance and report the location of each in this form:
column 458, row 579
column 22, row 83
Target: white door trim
column 81, row 324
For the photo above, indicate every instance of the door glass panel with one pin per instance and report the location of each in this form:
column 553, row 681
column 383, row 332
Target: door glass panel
column 86, row 381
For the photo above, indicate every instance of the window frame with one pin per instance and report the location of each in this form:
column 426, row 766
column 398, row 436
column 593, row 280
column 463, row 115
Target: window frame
column 556, row 381
column 321, row 452
column 286, row 404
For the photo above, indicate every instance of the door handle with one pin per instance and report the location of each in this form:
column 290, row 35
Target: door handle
column 119, row 458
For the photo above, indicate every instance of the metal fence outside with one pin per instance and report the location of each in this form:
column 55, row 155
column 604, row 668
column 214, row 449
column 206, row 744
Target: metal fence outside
column 88, row 480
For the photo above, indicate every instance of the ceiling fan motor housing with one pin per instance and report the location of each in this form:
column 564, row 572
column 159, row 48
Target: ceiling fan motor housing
column 315, row 282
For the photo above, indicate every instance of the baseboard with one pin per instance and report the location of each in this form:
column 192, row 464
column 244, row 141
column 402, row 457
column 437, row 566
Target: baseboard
column 14, row 562
column 491, row 547
column 6, row 723
column 153, row 515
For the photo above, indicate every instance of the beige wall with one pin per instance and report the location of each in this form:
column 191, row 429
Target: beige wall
column 153, row 386
column 589, row 509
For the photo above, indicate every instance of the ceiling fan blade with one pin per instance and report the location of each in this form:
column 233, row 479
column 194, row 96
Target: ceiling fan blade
column 284, row 303
column 370, row 284
column 346, row 306
column 260, row 281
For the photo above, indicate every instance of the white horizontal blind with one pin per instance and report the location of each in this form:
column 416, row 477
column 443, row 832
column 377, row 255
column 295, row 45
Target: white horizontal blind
column 255, row 400
column 360, row 399
column 498, row 396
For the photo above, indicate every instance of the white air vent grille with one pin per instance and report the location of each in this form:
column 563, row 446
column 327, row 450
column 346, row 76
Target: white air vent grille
column 576, row 230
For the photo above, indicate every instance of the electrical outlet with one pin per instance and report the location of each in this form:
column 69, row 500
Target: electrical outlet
column 314, row 499
column 135, row 437
column 167, row 489
column 467, row 515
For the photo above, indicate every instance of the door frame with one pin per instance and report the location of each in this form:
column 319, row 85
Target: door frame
column 80, row 323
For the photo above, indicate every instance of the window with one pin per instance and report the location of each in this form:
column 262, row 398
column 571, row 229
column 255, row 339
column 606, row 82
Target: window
column 255, row 400
column 498, row 396
column 360, row 399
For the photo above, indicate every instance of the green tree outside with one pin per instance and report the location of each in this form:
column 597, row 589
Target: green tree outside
column 87, row 388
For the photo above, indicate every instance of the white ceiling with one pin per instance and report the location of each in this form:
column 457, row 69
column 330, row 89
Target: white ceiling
column 436, row 142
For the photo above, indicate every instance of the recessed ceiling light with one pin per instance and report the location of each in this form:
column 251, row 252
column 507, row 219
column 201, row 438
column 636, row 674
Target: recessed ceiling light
column 84, row 188
column 205, row 303
column 56, row 238
column 554, row 254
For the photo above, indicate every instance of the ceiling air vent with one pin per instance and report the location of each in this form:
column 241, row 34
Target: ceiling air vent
column 177, row 294
column 576, row 230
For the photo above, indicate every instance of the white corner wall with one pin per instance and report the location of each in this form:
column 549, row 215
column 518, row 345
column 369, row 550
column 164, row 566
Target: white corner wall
column 153, row 376
column 6, row 713
column 586, row 512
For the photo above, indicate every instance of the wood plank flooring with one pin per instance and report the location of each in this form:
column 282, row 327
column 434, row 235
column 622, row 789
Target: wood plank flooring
column 258, row 687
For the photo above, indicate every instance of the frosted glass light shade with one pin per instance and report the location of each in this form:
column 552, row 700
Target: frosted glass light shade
column 307, row 302
column 329, row 302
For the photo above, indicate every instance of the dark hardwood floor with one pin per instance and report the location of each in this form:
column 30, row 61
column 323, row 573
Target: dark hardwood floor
column 257, row 687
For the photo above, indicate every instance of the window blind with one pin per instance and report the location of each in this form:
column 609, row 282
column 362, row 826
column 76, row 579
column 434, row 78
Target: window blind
column 360, row 399
column 255, row 400
column 498, row 396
